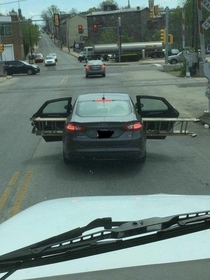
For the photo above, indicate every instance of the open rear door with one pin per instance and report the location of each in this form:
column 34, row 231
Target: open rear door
column 51, row 117
column 155, row 112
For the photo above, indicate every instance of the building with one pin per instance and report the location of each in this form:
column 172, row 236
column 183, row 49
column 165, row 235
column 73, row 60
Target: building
column 134, row 22
column 73, row 34
column 11, row 37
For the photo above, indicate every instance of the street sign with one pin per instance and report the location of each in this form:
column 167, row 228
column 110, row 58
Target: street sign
column 206, row 24
column 206, row 5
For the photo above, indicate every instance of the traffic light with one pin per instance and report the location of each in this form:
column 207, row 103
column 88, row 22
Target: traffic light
column 95, row 27
column 151, row 13
column 156, row 10
column 170, row 38
column 163, row 36
column 1, row 48
column 80, row 29
column 56, row 19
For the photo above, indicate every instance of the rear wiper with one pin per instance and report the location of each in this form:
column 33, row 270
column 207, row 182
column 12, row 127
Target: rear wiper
column 115, row 235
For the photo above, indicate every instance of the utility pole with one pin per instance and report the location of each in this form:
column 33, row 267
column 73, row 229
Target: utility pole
column 204, row 63
column 119, row 38
column 166, row 35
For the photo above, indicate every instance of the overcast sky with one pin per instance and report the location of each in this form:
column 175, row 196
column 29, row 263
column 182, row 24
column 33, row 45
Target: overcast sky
column 34, row 8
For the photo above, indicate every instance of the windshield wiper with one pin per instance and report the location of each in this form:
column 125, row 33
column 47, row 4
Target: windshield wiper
column 115, row 235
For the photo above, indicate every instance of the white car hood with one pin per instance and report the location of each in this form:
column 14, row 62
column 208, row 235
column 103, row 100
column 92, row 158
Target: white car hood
column 53, row 217
column 49, row 59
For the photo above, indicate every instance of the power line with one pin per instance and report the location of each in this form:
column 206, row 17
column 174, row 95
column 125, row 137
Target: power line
column 11, row 2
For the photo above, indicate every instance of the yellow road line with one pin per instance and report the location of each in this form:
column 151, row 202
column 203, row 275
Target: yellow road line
column 7, row 191
column 64, row 80
column 4, row 197
column 14, row 178
column 20, row 195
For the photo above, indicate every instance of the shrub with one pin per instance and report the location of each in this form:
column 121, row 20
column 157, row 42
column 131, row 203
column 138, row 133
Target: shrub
column 128, row 57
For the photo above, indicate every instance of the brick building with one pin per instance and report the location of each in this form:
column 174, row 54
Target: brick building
column 133, row 20
column 11, row 37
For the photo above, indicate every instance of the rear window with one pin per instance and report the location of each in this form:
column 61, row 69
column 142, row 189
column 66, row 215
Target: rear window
column 153, row 105
column 95, row 62
column 109, row 108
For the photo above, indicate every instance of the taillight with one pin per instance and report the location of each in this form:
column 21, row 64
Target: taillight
column 87, row 67
column 72, row 127
column 102, row 66
column 133, row 126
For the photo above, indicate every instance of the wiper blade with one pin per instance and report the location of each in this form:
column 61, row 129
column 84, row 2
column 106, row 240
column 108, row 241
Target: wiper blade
column 115, row 235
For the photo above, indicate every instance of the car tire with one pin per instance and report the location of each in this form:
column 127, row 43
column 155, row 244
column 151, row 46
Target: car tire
column 174, row 61
column 65, row 159
column 7, row 73
column 86, row 76
column 30, row 72
column 103, row 75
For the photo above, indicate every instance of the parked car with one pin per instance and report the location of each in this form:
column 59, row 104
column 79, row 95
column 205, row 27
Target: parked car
column 152, row 236
column 101, row 125
column 95, row 68
column 39, row 58
column 49, row 61
column 81, row 57
column 174, row 59
column 54, row 55
column 173, row 52
column 20, row 67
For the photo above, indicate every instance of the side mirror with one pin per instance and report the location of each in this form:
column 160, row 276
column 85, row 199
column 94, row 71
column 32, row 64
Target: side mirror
column 85, row 64
column 136, row 106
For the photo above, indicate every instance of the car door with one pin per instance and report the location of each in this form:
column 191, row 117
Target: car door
column 50, row 119
column 21, row 67
column 12, row 68
column 153, row 107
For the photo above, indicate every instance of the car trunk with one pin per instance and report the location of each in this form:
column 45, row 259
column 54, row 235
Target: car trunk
column 105, row 132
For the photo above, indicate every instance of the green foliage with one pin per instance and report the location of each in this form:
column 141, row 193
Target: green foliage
column 175, row 27
column 30, row 36
column 125, row 37
column 108, row 36
column 192, row 69
column 108, row 2
column 128, row 57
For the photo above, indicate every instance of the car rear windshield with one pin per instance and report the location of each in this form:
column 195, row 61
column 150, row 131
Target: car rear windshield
column 100, row 108
column 95, row 62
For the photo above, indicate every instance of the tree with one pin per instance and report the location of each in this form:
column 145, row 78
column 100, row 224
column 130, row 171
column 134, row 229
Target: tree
column 48, row 15
column 30, row 36
column 107, row 2
column 90, row 10
column 73, row 11
column 108, row 36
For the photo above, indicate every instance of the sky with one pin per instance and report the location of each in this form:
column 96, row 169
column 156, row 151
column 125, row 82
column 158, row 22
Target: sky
column 33, row 8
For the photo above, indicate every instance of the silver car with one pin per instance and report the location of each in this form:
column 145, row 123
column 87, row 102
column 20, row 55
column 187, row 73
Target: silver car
column 54, row 55
column 50, row 61
column 177, row 58
column 95, row 67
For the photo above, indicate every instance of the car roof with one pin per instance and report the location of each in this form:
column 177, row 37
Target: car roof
column 93, row 96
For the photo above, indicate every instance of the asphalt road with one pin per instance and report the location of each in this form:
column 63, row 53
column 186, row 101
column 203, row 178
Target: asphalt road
column 33, row 170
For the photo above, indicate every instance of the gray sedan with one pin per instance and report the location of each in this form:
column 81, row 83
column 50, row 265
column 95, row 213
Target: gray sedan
column 95, row 68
